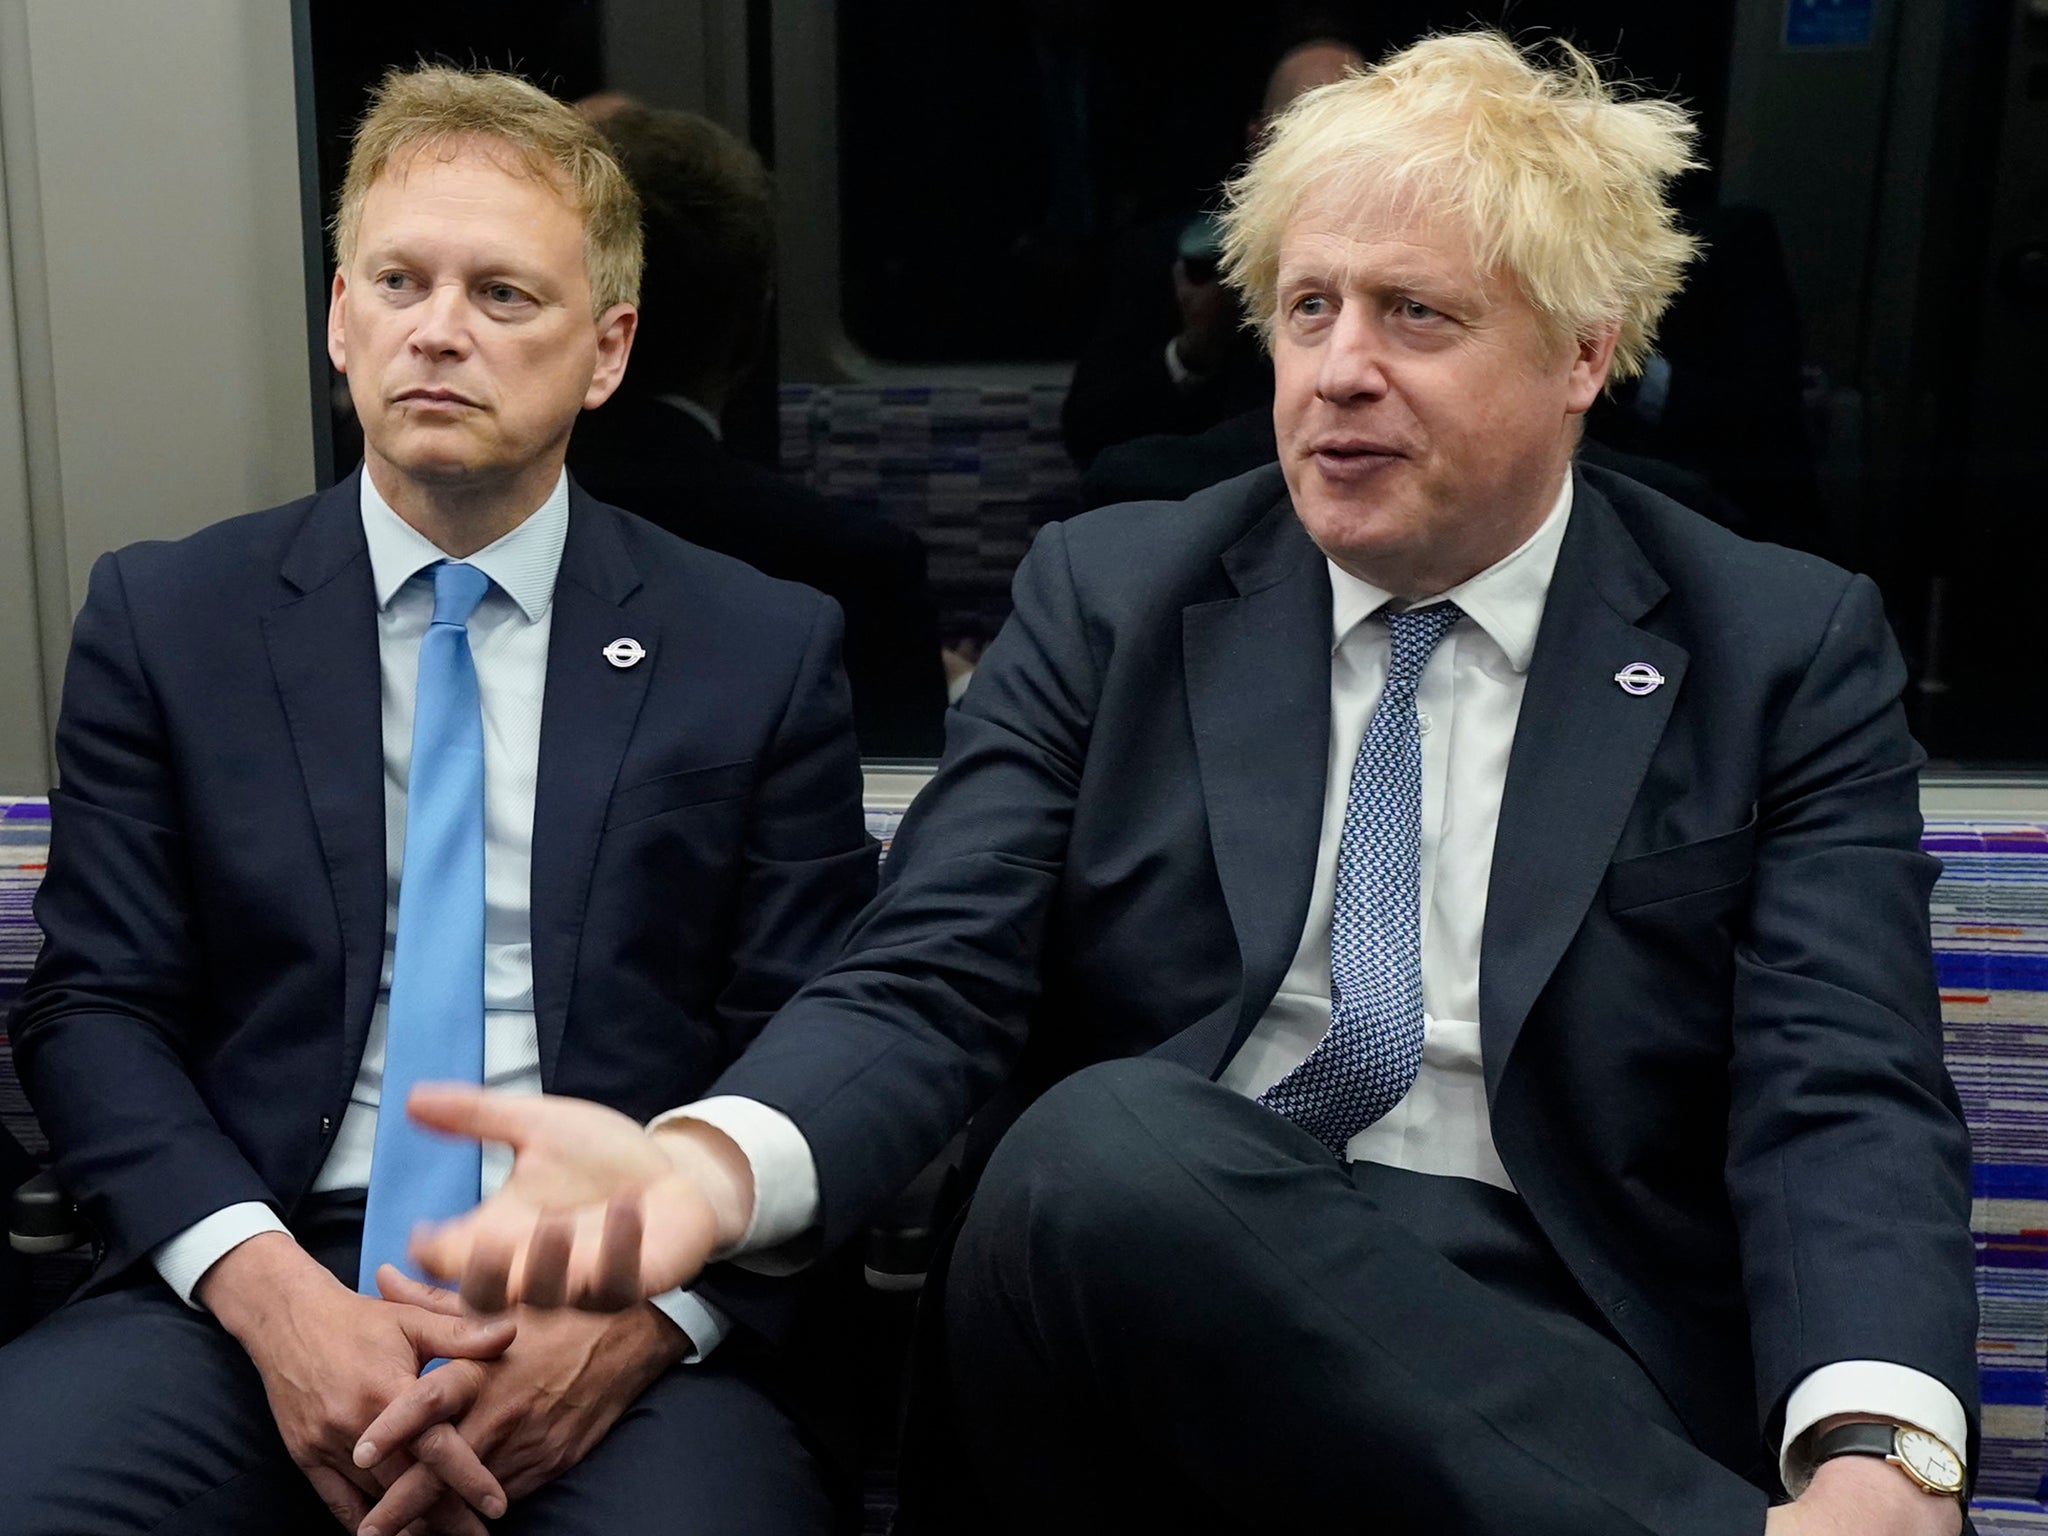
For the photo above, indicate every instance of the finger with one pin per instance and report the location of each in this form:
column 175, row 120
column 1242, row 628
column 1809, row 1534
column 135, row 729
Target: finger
column 394, row 1284
column 439, row 1397
column 452, row 1517
column 616, row 1284
column 478, row 1255
column 454, row 1461
column 405, row 1501
column 343, row 1499
column 546, row 1279
column 456, row 1338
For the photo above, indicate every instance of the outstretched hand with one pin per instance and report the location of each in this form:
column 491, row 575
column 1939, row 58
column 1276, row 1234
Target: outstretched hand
column 596, row 1213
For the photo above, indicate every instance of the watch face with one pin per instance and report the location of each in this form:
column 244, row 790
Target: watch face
column 1929, row 1460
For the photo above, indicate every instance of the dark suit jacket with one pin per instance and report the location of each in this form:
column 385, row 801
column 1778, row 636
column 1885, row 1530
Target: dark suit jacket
column 659, row 462
column 1707, row 1003
column 215, row 903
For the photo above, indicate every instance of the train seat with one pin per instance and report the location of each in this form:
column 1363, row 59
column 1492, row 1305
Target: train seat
column 1989, row 917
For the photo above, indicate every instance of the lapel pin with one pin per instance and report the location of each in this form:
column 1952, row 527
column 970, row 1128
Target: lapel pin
column 1639, row 678
column 626, row 651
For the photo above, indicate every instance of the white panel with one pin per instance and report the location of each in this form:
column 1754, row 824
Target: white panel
column 24, row 757
column 166, row 144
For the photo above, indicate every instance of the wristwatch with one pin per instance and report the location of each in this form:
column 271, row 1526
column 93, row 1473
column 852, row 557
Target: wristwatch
column 1925, row 1458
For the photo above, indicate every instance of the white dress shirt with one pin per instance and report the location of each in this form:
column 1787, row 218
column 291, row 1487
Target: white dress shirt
column 508, row 639
column 1468, row 702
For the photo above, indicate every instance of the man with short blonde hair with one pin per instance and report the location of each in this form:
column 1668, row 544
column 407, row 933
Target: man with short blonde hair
column 448, row 771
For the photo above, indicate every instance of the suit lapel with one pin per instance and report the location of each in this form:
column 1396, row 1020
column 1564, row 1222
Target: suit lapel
column 323, row 654
column 588, row 709
column 1258, row 682
column 1581, row 747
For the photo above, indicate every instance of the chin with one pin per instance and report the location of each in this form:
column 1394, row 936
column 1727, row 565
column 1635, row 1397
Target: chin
column 430, row 461
column 1351, row 530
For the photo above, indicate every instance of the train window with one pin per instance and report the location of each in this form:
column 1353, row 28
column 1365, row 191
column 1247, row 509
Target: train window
column 977, row 199
column 983, row 212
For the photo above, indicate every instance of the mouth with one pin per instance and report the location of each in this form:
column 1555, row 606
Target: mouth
column 1351, row 458
column 446, row 398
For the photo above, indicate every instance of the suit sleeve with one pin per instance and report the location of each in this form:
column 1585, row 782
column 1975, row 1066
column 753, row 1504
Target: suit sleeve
column 1848, row 1160
column 882, row 1058
column 106, row 1023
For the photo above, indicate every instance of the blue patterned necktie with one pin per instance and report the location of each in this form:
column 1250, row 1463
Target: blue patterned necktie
column 434, row 1023
column 1364, row 1065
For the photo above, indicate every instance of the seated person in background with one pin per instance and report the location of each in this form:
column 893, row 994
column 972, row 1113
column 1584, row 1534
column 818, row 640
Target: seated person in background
column 449, row 771
column 655, row 447
column 1722, row 397
column 1452, row 921
column 1170, row 352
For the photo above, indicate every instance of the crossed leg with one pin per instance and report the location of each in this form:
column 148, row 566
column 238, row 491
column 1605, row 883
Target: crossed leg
column 1168, row 1303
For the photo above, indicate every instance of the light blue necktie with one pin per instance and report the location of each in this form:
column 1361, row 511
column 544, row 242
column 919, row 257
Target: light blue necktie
column 1367, row 1061
column 434, row 1024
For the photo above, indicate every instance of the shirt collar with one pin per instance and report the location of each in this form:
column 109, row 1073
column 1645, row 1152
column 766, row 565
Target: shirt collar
column 703, row 415
column 1506, row 599
column 522, row 564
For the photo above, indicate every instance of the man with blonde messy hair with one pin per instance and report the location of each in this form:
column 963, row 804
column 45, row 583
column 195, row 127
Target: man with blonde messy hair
column 448, row 772
column 1451, row 920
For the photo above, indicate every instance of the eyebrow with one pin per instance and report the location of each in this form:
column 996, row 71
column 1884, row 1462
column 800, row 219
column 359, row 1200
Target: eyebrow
column 1391, row 279
column 497, row 264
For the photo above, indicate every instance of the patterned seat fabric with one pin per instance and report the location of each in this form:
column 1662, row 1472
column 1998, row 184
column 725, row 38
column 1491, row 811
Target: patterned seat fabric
column 24, row 848
column 1990, row 925
column 974, row 471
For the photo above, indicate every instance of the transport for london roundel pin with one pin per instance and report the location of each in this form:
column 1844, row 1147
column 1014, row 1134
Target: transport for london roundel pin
column 625, row 651
column 1639, row 678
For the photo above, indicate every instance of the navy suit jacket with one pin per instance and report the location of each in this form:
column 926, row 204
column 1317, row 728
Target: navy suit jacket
column 214, row 909
column 1707, row 1005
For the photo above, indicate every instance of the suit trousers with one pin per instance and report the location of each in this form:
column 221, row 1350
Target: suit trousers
column 1171, row 1308
column 129, row 1412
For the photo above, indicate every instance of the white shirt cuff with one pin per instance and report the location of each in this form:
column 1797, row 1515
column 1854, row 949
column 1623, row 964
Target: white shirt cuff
column 1876, row 1388
column 705, row 1324
column 785, row 1174
column 184, row 1260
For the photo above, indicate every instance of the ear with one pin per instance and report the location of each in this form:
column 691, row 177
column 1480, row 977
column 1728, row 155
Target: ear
column 1592, row 358
column 337, row 333
column 616, row 328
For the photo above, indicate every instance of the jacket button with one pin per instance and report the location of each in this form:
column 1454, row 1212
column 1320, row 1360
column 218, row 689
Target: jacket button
column 326, row 1124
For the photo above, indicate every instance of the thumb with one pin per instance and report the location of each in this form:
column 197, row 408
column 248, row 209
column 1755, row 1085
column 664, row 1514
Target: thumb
column 481, row 1114
column 466, row 1338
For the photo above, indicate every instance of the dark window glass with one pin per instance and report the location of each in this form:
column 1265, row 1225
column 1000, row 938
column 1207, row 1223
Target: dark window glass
column 1853, row 369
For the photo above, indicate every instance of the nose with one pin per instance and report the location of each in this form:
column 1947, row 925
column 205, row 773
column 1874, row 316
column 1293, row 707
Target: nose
column 441, row 322
column 1352, row 354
